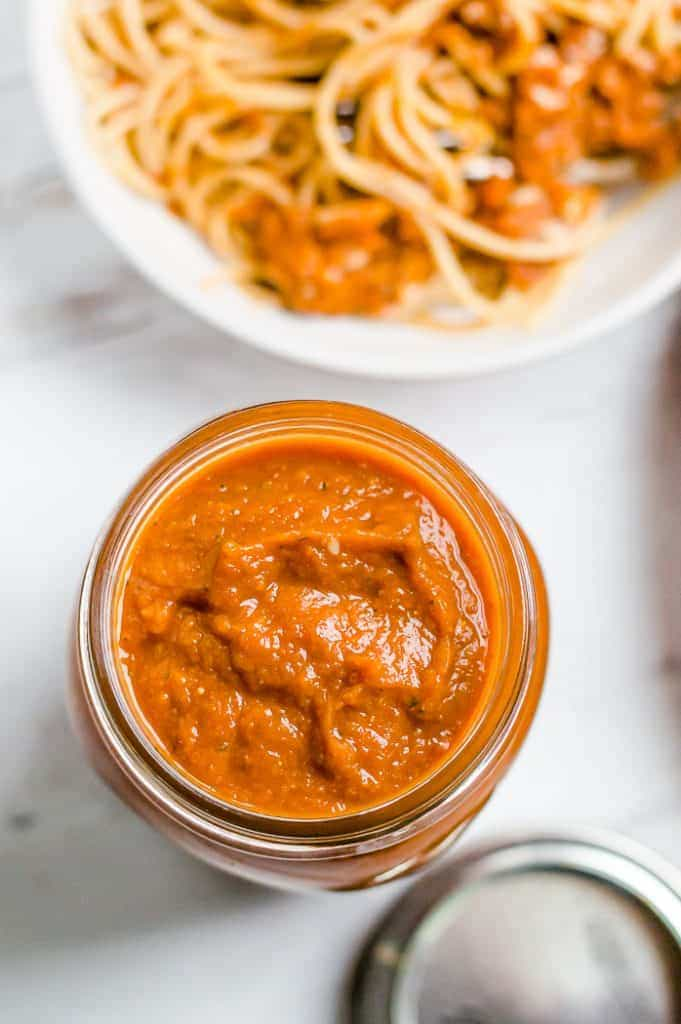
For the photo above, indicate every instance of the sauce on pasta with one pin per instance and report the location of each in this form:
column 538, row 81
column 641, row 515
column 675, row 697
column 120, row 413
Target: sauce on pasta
column 385, row 157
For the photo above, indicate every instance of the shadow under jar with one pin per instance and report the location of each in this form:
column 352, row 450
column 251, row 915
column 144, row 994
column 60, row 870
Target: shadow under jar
column 274, row 613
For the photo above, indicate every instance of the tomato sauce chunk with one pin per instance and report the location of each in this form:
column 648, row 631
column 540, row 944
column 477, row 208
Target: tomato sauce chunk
column 308, row 630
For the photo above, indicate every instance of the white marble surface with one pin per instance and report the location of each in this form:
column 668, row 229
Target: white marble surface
column 101, row 920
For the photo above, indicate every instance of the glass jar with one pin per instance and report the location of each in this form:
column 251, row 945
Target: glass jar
column 358, row 849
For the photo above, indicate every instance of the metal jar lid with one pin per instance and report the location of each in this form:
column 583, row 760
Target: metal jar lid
column 555, row 929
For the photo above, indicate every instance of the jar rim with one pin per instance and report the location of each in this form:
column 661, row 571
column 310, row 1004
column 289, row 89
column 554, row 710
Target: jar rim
column 174, row 792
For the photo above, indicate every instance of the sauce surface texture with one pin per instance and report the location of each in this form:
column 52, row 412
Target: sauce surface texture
column 304, row 631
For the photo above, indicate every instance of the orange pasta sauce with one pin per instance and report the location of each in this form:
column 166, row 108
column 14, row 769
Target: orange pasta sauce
column 308, row 627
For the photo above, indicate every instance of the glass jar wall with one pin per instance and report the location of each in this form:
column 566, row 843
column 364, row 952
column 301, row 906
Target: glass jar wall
column 365, row 846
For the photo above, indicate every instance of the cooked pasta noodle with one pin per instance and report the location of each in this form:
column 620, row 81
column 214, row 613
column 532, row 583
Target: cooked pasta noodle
column 392, row 157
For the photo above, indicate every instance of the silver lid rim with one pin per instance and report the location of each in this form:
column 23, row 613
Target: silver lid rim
column 595, row 852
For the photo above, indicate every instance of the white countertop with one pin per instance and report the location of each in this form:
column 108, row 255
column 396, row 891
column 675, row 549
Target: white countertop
column 100, row 919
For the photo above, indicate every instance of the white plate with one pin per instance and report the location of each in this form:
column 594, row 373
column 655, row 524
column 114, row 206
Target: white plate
column 638, row 265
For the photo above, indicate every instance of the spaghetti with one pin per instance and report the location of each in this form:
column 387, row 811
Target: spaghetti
column 392, row 157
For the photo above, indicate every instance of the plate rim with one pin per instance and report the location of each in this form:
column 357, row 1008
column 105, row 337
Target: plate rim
column 383, row 364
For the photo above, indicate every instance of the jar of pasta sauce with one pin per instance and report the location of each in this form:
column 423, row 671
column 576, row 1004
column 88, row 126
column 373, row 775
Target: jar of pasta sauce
column 308, row 645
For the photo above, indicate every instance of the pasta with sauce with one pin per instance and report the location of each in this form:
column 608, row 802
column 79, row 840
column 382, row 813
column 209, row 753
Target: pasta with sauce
column 385, row 157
